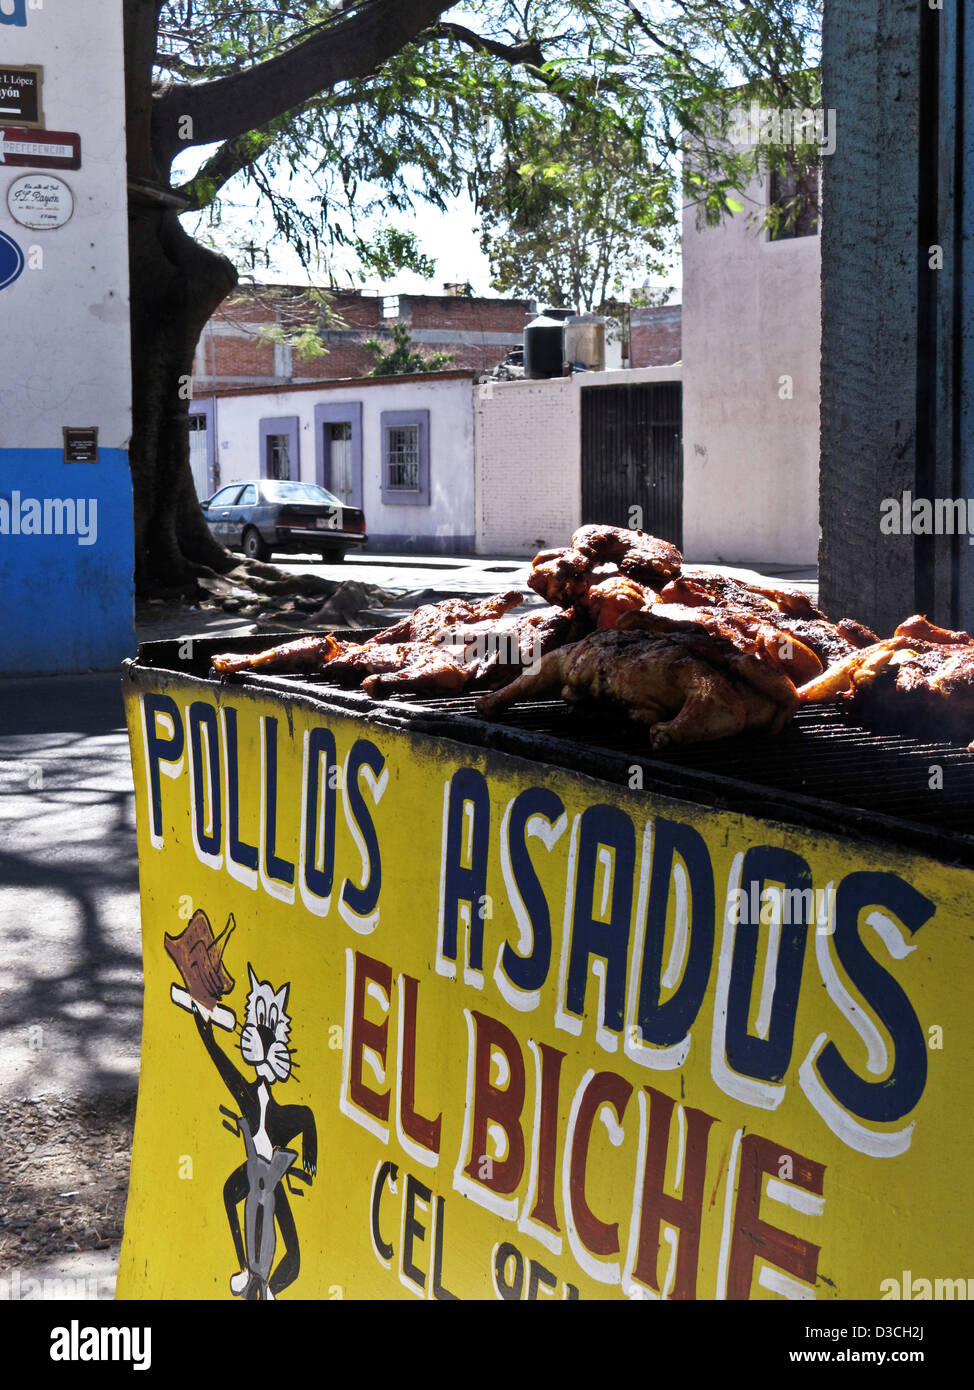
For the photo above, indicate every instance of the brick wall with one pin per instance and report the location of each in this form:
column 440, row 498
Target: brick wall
column 478, row 315
column 527, row 452
column 656, row 336
column 477, row 332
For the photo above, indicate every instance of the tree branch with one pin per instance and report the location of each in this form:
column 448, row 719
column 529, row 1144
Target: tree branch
column 231, row 106
column 528, row 52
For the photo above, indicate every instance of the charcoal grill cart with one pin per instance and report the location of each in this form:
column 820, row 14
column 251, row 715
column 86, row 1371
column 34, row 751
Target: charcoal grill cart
column 520, row 1010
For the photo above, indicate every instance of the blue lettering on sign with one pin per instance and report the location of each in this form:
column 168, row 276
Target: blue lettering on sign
column 13, row 12
column 11, row 260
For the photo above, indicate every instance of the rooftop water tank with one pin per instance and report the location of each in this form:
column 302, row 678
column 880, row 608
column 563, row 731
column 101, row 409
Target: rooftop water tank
column 585, row 342
column 544, row 348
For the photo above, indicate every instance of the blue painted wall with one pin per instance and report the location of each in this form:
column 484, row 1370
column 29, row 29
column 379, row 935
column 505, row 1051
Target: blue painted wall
column 67, row 606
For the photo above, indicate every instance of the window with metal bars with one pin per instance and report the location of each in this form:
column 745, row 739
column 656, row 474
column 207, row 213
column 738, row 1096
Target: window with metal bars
column 279, row 457
column 402, row 458
column 406, row 457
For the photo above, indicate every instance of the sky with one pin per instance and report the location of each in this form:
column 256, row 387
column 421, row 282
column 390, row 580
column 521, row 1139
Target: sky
column 451, row 239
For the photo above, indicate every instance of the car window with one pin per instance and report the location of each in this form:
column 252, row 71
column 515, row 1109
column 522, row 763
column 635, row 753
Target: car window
column 248, row 497
column 276, row 491
column 226, row 496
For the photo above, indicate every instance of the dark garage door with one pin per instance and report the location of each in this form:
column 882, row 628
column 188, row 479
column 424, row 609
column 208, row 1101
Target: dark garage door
column 632, row 457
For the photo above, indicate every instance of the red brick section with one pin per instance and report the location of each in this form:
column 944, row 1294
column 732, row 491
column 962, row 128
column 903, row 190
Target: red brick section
column 228, row 358
column 470, row 315
column 243, row 356
column 656, row 336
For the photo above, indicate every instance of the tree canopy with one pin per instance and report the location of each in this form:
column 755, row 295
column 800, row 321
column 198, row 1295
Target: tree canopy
column 336, row 113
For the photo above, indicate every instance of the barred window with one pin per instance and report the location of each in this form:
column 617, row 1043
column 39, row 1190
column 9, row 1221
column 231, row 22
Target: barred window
column 278, row 456
column 402, row 458
column 405, row 470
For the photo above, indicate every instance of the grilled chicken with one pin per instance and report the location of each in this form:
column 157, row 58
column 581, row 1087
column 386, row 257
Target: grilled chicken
column 748, row 634
column 304, row 654
column 637, row 554
column 921, row 627
column 605, row 572
column 477, row 656
column 924, row 688
column 791, row 631
column 686, row 688
column 426, row 624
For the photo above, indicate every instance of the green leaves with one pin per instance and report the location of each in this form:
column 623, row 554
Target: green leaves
column 625, row 80
column 402, row 360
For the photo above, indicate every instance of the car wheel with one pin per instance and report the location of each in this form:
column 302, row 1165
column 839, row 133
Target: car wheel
column 253, row 547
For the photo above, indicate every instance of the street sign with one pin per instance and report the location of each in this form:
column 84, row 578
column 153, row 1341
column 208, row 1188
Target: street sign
column 20, row 95
column 39, row 149
column 11, row 260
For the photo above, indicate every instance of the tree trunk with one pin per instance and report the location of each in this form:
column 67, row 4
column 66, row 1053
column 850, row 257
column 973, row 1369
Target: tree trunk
column 176, row 285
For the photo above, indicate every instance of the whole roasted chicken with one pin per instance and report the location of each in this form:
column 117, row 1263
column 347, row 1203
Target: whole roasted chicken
column 920, row 680
column 605, row 571
column 684, row 687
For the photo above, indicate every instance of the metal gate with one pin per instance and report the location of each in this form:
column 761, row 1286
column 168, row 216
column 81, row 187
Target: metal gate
column 632, row 457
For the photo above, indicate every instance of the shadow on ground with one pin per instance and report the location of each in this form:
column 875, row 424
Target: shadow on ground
column 70, row 958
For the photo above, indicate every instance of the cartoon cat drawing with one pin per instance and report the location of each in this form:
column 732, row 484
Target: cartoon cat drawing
column 267, row 1128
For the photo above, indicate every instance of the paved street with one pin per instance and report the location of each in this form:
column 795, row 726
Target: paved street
column 485, row 575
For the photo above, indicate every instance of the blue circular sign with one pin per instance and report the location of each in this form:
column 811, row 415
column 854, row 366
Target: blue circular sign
column 11, row 260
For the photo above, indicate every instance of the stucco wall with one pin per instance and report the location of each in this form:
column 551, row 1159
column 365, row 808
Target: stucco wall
column 751, row 334
column 445, row 524
column 64, row 361
column 528, row 447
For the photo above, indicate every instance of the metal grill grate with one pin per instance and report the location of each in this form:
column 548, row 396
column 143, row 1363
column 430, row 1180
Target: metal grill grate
column 823, row 770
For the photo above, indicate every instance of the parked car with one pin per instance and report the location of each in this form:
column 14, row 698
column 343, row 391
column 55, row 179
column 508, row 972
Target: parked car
column 265, row 514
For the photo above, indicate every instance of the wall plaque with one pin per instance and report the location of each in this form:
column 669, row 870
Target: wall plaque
column 42, row 202
column 81, row 444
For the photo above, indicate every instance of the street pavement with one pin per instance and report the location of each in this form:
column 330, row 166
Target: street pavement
column 70, row 963
column 483, row 575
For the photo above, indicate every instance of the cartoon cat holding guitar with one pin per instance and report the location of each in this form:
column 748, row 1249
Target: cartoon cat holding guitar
column 264, row 1179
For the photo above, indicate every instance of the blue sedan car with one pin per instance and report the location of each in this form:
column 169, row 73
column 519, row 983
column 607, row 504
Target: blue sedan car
column 266, row 515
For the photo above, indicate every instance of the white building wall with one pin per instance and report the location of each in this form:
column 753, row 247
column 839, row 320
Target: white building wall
column 528, row 443
column 751, row 334
column 447, row 523
column 64, row 349
column 528, row 451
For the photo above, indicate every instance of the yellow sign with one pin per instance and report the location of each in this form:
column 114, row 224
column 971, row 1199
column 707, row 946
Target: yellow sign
column 427, row 1021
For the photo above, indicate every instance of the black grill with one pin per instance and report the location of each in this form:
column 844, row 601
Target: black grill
column 823, row 770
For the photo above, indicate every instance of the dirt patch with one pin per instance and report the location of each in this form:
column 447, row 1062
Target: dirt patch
column 64, row 1172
